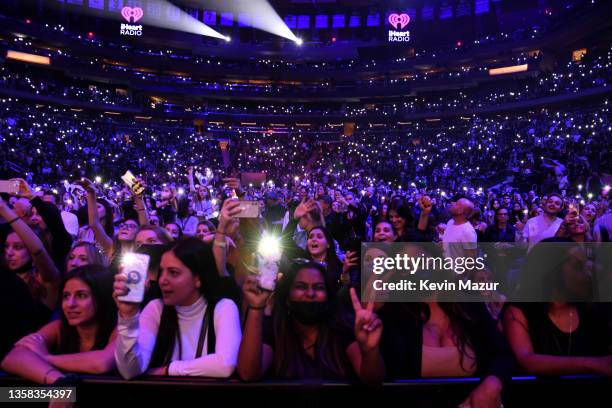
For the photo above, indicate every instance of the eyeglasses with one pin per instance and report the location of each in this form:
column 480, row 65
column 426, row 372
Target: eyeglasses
column 128, row 226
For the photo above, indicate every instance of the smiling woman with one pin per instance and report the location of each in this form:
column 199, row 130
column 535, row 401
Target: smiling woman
column 81, row 341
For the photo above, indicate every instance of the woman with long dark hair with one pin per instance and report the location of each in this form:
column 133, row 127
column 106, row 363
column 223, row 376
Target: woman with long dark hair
column 566, row 335
column 193, row 330
column 302, row 339
column 26, row 256
column 321, row 248
column 81, row 341
column 438, row 338
column 405, row 225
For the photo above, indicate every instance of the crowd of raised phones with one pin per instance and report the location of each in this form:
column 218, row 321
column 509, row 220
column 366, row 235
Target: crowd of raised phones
column 204, row 313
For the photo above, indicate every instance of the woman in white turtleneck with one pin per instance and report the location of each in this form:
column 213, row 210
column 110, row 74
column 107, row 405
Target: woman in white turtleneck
column 174, row 335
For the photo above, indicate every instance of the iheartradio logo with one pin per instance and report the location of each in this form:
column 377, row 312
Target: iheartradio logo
column 400, row 20
column 132, row 14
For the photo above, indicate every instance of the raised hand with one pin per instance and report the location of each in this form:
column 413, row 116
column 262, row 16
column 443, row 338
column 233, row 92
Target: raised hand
column 425, row 204
column 229, row 211
column 120, row 288
column 25, row 190
column 305, row 206
column 368, row 327
column 87, row 184
column 351, row 259
column 519, row 226
column 255, row 296
column 138, row 188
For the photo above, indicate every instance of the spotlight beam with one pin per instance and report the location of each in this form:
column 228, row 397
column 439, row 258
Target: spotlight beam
column 185, row 22
column 265, row 18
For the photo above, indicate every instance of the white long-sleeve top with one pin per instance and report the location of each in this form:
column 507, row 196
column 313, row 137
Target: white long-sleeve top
column 137, row 335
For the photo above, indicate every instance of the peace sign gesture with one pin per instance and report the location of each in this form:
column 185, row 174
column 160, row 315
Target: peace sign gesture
column 368, row 327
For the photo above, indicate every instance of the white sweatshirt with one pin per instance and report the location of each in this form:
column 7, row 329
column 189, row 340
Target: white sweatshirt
column 137, row 335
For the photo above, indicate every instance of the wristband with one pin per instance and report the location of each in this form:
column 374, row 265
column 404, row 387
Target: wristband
column 221, row 244
column 256, row 308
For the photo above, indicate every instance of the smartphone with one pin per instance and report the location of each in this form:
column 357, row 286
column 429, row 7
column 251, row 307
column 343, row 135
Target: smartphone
column 135, row 267
column 248, row 209
column 267, row 271
column 132, row 183
column 9, row 186
column 354, row 245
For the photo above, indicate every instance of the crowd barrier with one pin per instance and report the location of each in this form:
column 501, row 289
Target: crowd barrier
column 524, row 391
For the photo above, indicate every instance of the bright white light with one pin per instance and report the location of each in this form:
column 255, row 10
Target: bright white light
column 299, row 41
column 228, row 38
column 98, row 179
column 181, row 191
column 261, row 15
column 269, row 247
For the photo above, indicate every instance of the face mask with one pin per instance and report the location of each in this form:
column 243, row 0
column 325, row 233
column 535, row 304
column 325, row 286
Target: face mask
column 309, row 313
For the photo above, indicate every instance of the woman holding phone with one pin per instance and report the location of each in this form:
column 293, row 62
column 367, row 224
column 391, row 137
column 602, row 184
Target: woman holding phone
column 191, row 331
column 301, row 340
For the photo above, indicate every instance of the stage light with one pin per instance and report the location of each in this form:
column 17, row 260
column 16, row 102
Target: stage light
column 265, row 18
column 181, row 21
column 228, row 38
column 299, row 41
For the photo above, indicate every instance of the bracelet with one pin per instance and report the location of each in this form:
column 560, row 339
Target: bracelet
column 13, row 220
column 222, row 244
column 220, row 232
column 256, row 308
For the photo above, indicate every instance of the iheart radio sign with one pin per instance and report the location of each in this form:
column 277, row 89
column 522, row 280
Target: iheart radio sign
column 399, row 23
column 131, row 15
